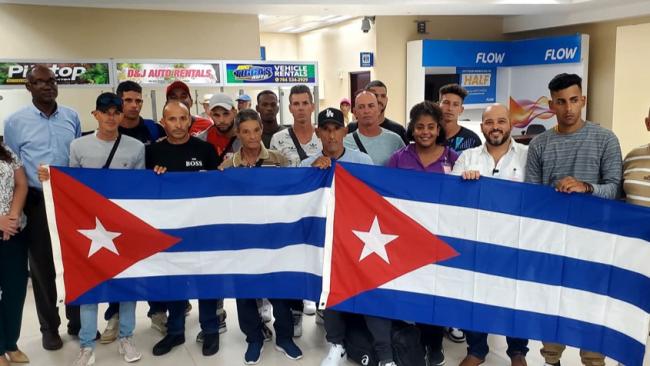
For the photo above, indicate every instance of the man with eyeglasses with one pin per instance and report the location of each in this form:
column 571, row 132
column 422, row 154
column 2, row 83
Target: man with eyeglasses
column 41, row 133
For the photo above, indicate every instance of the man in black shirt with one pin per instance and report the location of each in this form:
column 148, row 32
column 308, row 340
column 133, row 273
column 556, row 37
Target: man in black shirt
column 133, row 125
column 451, row 101
column 180, row 152
column 268, row 107
column 378, row 88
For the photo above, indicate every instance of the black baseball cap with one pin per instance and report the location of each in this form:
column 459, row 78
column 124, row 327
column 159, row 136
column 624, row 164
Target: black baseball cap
column 331, row 115
column 107, row 100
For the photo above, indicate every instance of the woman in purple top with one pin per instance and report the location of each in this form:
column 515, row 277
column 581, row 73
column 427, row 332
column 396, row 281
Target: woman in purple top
column 430, row 152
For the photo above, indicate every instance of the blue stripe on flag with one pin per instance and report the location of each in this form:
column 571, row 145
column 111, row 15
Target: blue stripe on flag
column 309, row 230
column 496, row 320
column 277, row 285
column 550, row 269
column 534, row 201
column 144, row 184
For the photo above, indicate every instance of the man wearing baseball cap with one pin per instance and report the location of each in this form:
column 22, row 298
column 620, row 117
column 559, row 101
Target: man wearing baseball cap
column 331, row 131
column 108, row 149
column 179, row 91
column 222, row 135
column 205, row 102
column 243, row 102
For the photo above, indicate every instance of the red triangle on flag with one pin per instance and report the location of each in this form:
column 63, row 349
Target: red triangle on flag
column 79, row 212
column 373, row 242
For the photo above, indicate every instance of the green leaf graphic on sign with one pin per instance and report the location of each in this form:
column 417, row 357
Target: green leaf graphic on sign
column 4, row 73
column 98, row 74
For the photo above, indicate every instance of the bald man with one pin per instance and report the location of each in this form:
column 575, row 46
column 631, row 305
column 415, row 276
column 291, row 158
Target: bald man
column 500, row 157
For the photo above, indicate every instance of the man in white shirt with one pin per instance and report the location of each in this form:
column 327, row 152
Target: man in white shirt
column 500, row 157
column 299, row 141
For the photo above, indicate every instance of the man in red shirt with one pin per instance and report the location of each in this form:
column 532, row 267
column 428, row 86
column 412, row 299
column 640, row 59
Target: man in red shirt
column 222, row 137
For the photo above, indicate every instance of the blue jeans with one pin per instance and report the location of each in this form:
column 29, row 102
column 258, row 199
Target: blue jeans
column 89, row 323
column 478, row 346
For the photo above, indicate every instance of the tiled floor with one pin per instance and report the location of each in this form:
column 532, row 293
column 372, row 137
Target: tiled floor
column 232, row 345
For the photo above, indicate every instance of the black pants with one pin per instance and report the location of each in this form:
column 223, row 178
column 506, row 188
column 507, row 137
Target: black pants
column 250, row 321
column 41, row 267
column 13, row 284
column 380, row 329
column 431, row 335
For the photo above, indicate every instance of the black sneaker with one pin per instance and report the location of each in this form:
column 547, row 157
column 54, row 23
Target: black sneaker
column 210, row 344
column 52, row 341
column 166, row 344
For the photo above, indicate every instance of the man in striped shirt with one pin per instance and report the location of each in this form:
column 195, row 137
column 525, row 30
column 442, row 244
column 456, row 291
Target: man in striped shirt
column 576, row 156
column 636, row 173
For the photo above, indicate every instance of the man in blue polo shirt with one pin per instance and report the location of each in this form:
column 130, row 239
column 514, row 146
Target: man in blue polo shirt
column 40, row 133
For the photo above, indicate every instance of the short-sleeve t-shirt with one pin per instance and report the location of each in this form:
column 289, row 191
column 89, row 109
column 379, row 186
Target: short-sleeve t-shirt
column 191, row 156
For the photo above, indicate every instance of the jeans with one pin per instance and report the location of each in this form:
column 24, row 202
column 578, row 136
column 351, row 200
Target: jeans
column 379, row 328
column 250, row 321
column 89, row 323
column 478, row 346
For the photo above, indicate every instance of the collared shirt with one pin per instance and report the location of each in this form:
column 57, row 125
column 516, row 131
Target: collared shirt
column 266, row 158
column 511, row 166
column 408, row 158
column 38, row 139
column 349, row 156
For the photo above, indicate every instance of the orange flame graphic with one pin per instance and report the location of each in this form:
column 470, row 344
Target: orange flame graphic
column 524, row 111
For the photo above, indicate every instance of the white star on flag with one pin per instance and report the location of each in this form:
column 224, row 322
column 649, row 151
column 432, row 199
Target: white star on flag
column 374, row 241
column 100, row 238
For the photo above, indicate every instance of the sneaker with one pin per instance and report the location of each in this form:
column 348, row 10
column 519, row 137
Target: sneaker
column 434, row 358
column 320, row 318
column 128, row 350
column 253, row 353
column 111, row 331
column 199, row 337
column 166, row 344
column 188, row 308
column 222, row 321
column 455, row 335
column 289, row 348
column 86, row 357
column 387, row 363
column 210, row 344
column 266, row 311
column 309, row 307
column 159, row 322
column 267, row 332
column 335, row 356
column 297, row 323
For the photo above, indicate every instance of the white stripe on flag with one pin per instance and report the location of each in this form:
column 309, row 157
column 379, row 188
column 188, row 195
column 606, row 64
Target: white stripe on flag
column 292, row 258
column 529, row 234
column 524, row 295
column 183, row 213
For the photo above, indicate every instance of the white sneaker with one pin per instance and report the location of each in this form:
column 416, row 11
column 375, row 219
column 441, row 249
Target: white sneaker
column 266, row 311
column 309, row 307
column 335, row 357
column 297, row 323
column 128, row 350
column 86, row 357
column 159, row 322
column 111, row 331
column 455, row 335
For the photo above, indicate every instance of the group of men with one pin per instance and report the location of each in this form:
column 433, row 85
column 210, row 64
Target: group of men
column 576, row 156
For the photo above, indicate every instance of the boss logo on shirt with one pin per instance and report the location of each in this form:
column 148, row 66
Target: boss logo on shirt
column 194, row 163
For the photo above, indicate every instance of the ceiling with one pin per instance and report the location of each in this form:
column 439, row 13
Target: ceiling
column 302, row 15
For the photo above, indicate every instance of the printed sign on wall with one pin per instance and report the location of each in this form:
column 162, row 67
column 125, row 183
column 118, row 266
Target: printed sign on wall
column 272, row 73
column 66, row 73
column 164, row 73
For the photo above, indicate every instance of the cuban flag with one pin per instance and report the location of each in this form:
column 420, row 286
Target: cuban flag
column 134, row 235
column 489, row 255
